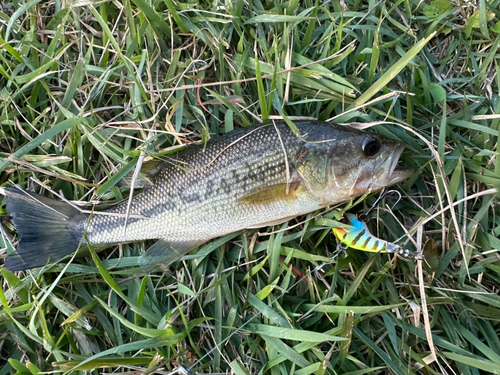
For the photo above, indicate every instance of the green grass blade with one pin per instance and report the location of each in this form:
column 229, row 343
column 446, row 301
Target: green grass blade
column 389, row 362
column 264, row 110
column 292, row 334
column 392, row 72
column 276, row 18
column 480, row 364
column 47, row 135
column 22, row 9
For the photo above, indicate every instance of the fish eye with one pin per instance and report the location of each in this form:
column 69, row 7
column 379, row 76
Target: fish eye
column 371, row 147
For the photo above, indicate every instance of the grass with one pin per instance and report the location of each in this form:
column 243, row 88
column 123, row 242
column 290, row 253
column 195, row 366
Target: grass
column 86, row 86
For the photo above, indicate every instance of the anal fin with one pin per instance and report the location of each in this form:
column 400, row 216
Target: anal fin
column 163, row 253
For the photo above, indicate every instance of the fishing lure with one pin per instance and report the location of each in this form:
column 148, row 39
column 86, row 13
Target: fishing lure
column 360, row 238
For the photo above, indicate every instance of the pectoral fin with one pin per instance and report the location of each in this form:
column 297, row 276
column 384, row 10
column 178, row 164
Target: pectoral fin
column 163, row 253
column 272, row 193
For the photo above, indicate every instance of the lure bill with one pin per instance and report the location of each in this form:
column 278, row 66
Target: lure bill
column 359, row 237
column 249, row 178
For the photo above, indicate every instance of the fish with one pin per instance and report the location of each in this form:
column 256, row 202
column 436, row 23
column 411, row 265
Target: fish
column 257, row 176
column 359, row 237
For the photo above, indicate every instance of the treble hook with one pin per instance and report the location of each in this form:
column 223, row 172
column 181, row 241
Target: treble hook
column 364, row 215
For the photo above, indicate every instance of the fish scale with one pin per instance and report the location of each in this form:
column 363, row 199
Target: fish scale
column 252, row 177
column 202, row 199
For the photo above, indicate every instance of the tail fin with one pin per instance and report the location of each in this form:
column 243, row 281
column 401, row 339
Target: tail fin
column 49, row 229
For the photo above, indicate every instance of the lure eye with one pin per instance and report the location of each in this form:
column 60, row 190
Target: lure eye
column 371, row 147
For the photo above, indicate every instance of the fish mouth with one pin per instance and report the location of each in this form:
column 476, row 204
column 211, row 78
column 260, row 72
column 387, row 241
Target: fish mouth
column 392, row 174
column 396, row 175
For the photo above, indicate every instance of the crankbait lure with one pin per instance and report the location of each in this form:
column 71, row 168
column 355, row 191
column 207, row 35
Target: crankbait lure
column 360, row 238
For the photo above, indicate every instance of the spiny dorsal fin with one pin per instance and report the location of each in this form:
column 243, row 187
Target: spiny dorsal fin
column 272, row 193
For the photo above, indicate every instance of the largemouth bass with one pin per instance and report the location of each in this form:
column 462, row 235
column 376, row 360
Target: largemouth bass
column 252, row 177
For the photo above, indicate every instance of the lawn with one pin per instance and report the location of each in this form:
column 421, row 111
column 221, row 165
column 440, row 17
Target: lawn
column 89, row 90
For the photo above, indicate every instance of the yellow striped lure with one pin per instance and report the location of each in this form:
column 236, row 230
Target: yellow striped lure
column 360, row 238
